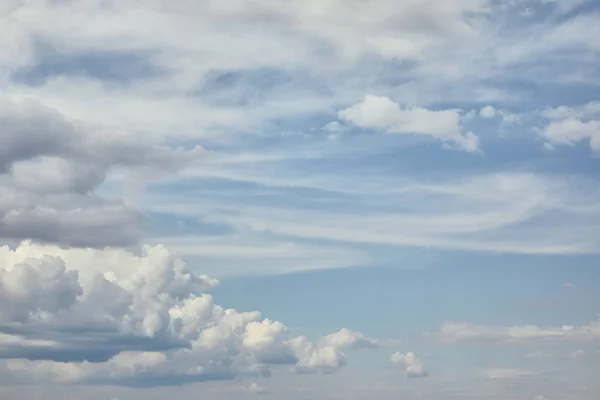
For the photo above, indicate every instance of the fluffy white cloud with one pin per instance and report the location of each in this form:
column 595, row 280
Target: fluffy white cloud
column 491, row 112
column 85, row 315
column 346, row 339
column 488, row 112
column 571, row 130
column 413, row 367
column 381, row 113
column 570, row 125
column 454, row 332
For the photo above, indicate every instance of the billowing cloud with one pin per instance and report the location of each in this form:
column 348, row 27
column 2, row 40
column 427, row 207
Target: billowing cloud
column 413, row 367
column 50, row 168
column 381, row 113
column 111, row 316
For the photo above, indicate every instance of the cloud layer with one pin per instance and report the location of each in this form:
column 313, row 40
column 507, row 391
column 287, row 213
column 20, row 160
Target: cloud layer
column 456, row 331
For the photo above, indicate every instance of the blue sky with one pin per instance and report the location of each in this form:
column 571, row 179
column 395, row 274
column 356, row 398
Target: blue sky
column 301, row 199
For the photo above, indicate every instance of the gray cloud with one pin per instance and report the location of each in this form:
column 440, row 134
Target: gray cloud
column 112, row 67
column 50, row 167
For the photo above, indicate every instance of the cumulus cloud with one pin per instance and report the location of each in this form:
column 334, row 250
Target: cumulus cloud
column 541, row 355
column 381, row 113
column 571, row 130
column 491, row 112
column 346, row 339
column 111, row 316
column 488, row 112
column 413, row 367
column 570, row 125
column 50, row 168
column 456, row 331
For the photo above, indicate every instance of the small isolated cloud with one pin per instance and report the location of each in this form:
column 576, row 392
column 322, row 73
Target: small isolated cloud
column 334, row 127
column 346, row 339
column 255, row 388
column 505, row 373
column 540, row 397
column 571, row 130
column 570, row 285
column 577, row 354
column 570, row 125
column 413, row 367
column 491, row 112
column 488, row 112
column 381, row 113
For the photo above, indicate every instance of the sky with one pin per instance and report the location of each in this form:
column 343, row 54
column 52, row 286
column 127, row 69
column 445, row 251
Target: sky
column 300, row 199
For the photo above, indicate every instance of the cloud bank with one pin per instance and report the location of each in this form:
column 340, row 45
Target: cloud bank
column 111, row 316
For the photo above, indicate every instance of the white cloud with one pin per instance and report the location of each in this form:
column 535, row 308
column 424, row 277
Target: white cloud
column 488, row 112
column 413, row 367
column 570, row 131
column 334, row 127
column 84, row 315
column 506, row 373
column 455, row 332
column 570, row 285
column 381, row 113
column 585, row 111
column 255, row 388
column 570, row 125
column 491, row 112
column 346, row 339
column 488, row 212
column 248, row 254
